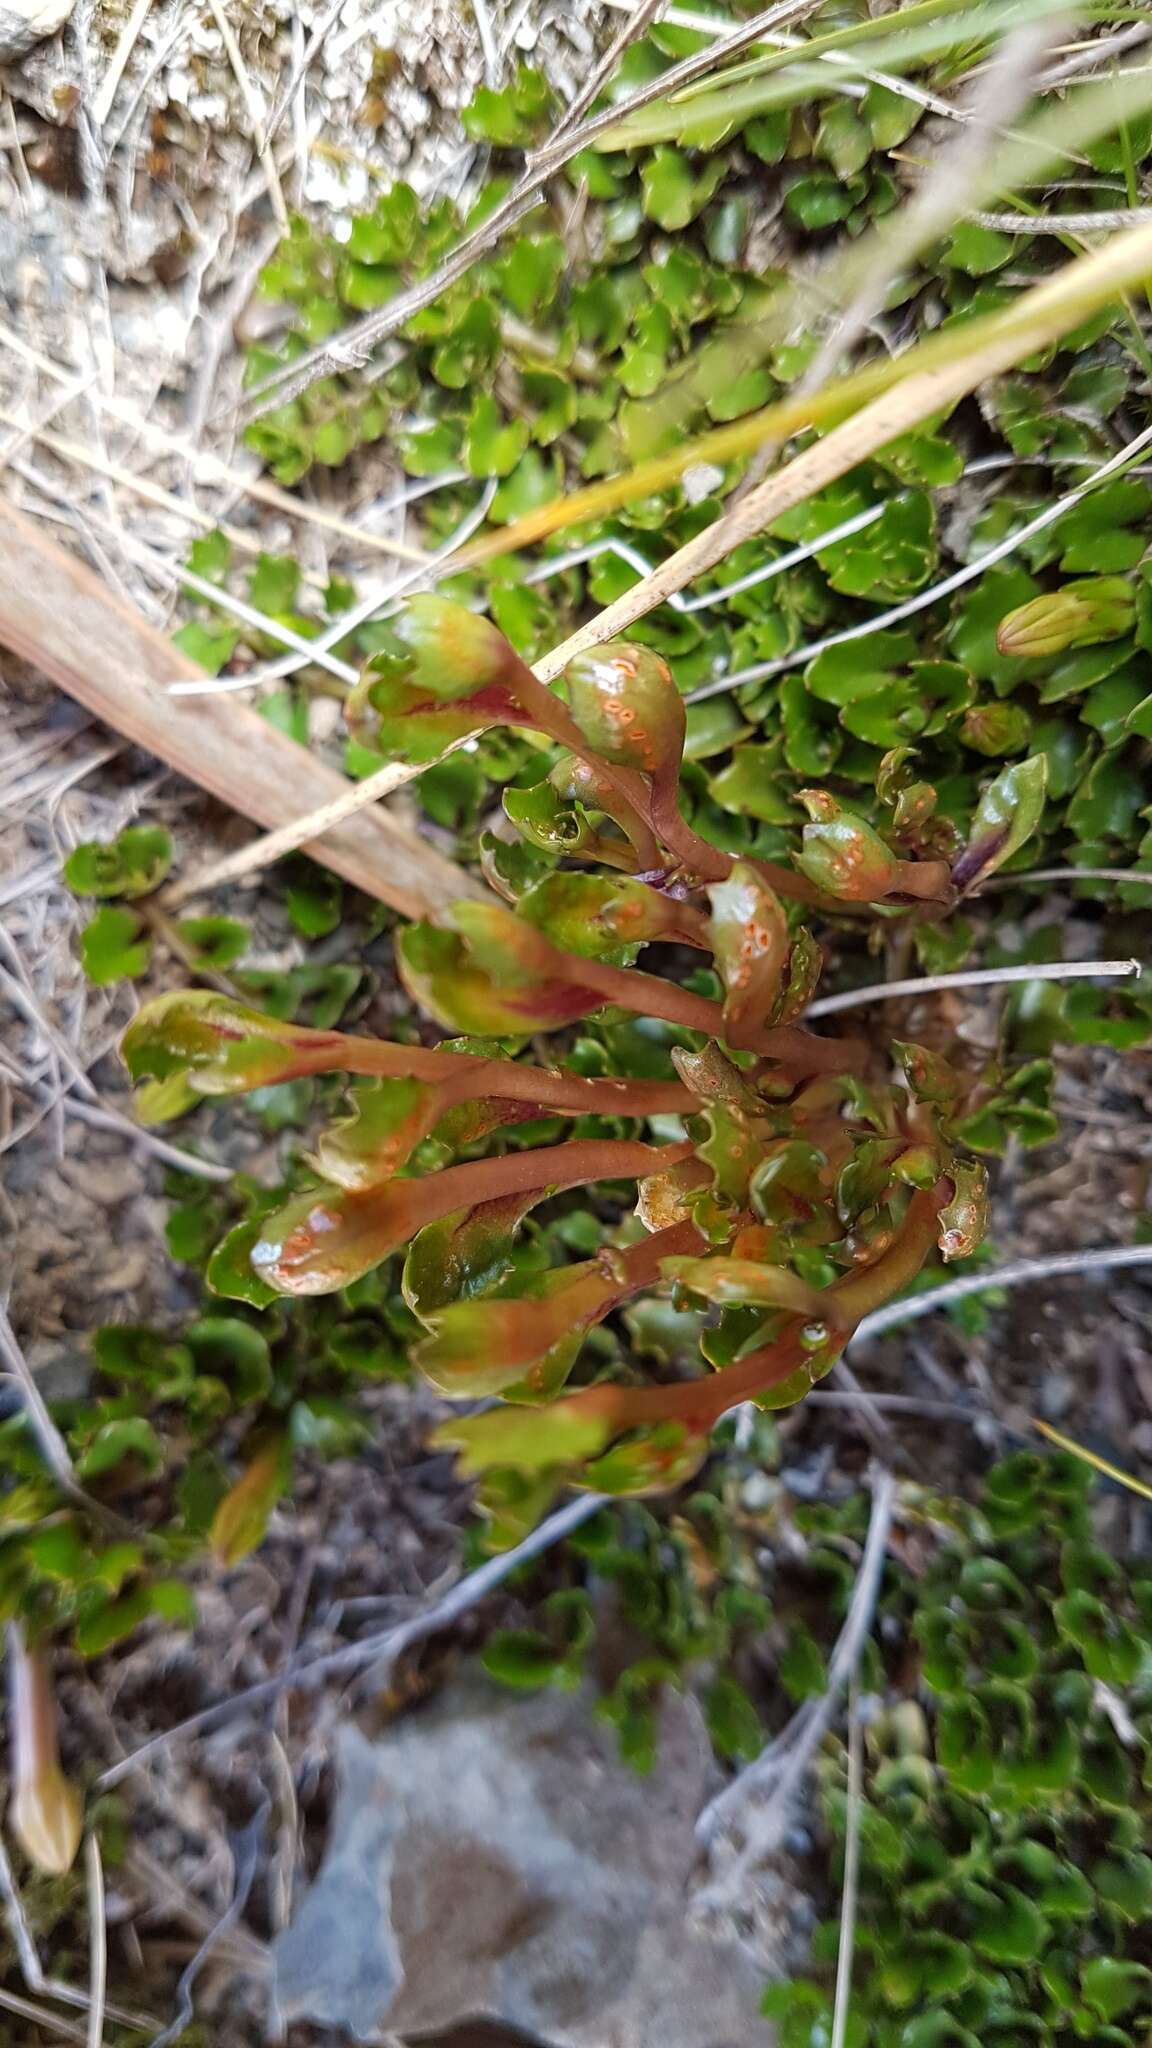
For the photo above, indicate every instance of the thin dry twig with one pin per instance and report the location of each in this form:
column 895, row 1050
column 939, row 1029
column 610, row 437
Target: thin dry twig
column 42, row 2016
column 1062, row 223
column 118, row 61
column 1100, row 51
column 1020, row 1273
column 255, row 113
column 246, row 1848
column 103, row 1118
column 589, row 92
column 98, row 1938
column 979, row 977
column 756, row 1803
column 320, row 33
column 53, row 1448
column 352, row 348
column 260, row 853
column 880, row 621
column 842, row 1996
column 355, row 616
column 28, row 1959
column 376, row 1650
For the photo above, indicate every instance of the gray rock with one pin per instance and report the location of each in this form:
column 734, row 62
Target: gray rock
column 24, row 23
column 491, row 1858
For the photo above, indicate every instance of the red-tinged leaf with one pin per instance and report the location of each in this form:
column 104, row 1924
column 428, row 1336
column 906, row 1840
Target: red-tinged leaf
column 963, row 1222
column 325, row 1238
column 440, row 674
column 580, row 782
column 713, row 1077
column 47, row 1812
column 462, row 1255
column 491, row 972
column 929, row 1077
column 560, row 1436
column 219, row 1047
column 751, row 942
column 388, row 1119
column 648, row 1460
column 607, row 917
column 241, row 1520
column 1007, row 815
column 731, row 1280
column 842, row 854
column 665, row 1199
column 487, row 1347
column 627, row 706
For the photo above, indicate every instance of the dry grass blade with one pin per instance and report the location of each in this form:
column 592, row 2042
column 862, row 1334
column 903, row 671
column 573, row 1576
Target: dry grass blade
column 940, row 198
column 382, row 1649
column 1020, row 1273
column 970, row 572
column 118, row 61
column 255, row 113
column 57, row 615
column 978, row 977
column 98, row 1938
column 53, row 1448
column 247, row 1844
column 260, row 853
column 842, row 1997
column 645, row 15
column 1087, row 1457
column 1041, row 315
column 207, row 468
column 1029, row 157
column 755, row 1807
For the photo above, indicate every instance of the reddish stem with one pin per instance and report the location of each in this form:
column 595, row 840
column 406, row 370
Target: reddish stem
column 648, row 995
column 574, row 1164
column 701, row 1403
column 550, row 715
column 328, row 1052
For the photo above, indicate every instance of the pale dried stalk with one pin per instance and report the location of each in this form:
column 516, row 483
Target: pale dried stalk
column 946, row 586
column 978, row 977
column 756, row 1805
column 1044, row 315
column 938, row 202
column 57, row 615
column 98, row 1938
column 260, row 853
column 255, row 114
column 842, row 1997
column 1021, row 1273
column 117, row 63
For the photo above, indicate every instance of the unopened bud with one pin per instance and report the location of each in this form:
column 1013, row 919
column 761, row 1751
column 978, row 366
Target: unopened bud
column 241, row 1520
column 47, row 1812
column 996, row 729
column 627, row 706
column 1077, row 615
column 441, row 649
column 843, row 855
